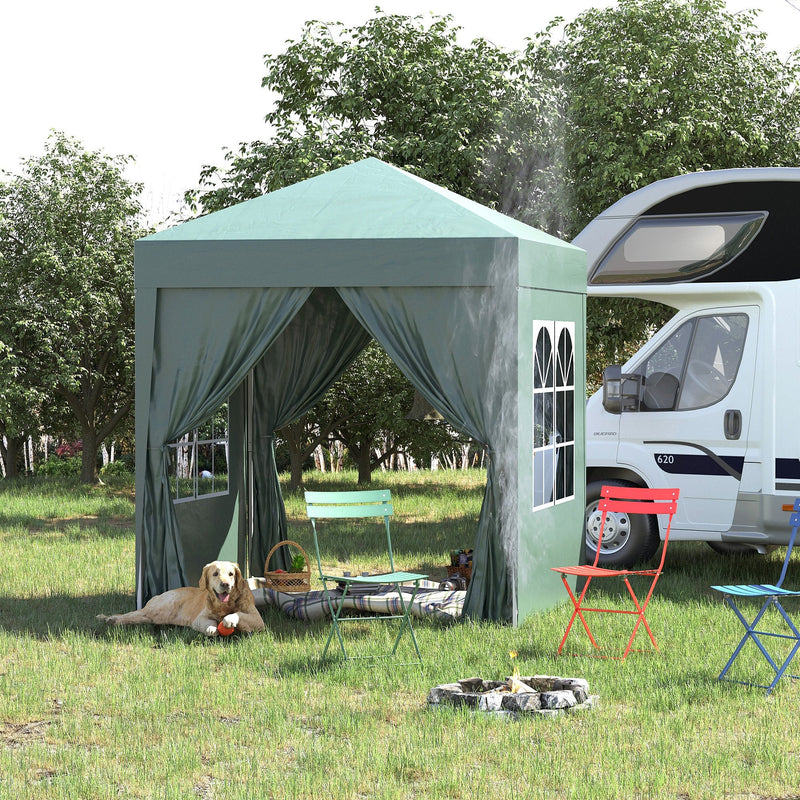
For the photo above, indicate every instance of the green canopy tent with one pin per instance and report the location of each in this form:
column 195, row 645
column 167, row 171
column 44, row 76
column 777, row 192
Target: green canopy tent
column 265, row 303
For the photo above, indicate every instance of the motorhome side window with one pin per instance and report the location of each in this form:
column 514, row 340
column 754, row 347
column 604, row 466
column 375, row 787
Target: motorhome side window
column 198, row 460
column 696, row 366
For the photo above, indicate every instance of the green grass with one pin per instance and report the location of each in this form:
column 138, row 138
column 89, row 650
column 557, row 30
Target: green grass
column 90, row 714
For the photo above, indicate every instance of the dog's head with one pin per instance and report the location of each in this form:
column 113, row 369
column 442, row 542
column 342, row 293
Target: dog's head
column 223, row 581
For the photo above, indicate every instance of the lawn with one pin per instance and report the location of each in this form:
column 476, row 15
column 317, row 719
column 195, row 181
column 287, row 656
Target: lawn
column 90, row 713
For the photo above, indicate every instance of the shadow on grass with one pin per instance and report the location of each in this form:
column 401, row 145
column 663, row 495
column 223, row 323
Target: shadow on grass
column 691, row 569
column 54, row 614
column 46, row 618
column 74, row 529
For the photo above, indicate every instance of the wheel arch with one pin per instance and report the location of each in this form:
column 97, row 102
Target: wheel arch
column 615, row 474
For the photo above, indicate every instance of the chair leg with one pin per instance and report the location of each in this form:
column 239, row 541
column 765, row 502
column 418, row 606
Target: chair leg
column 406, row 622
column 640, row 619
column 334, row 619
column 577, row 603
column 752, row 633
column 779, row 672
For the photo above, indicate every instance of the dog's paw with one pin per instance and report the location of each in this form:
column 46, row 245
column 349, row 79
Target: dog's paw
column 109, row 619
column 231, row 620
column 211, row 630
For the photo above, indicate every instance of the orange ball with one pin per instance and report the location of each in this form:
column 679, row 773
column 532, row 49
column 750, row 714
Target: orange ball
column 223, row 630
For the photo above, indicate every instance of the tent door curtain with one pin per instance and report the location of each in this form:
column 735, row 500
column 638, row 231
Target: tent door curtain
column 474, row 388
column 312, row 352
column 193, row 372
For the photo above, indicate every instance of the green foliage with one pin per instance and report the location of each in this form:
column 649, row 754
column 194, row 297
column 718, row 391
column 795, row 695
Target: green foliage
column 639, row 91
column 366, row 410
column 394, row 88
column 67, row 227
column 114, row 469
column 298, row 563
column 659, row 88
column 56, row 466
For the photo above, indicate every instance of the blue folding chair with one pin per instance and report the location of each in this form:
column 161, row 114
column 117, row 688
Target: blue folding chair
column 770, row 593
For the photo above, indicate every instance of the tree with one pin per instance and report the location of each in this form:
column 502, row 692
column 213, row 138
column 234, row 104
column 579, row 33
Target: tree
column 302, row 437
column 67, row 227
column 643, row 90
column 390, row 88
column 367, row 408
column 657, row 88
column 20, row 407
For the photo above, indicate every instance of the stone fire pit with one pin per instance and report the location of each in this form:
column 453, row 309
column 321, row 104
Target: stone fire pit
column 544, row 695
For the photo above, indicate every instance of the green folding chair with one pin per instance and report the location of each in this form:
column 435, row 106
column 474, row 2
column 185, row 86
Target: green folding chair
column 350, row 506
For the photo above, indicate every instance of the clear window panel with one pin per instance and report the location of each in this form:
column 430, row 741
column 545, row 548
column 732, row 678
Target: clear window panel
column 198, row 461
column 543, row 419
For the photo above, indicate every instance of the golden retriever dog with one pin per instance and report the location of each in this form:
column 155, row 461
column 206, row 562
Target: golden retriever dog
column 222, row 596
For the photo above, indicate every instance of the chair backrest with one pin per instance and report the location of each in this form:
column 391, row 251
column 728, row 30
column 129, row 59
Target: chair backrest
column 634, row 500
column 350, row 505
column 794, row 521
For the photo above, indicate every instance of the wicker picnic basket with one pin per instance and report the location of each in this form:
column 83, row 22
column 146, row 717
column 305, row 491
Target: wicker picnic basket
column 288, row 581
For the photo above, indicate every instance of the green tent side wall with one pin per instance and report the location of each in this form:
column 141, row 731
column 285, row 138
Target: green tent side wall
column 450, row 290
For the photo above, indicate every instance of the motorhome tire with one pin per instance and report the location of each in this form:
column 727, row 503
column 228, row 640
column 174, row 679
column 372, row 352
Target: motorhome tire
column 627, row 540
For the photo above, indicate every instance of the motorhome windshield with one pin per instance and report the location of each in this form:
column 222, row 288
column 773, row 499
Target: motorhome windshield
column 677, row 248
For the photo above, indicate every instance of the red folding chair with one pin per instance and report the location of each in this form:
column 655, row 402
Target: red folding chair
column 621, row 500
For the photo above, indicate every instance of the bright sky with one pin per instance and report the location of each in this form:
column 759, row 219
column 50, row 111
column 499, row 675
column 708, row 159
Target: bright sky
column 175, row 82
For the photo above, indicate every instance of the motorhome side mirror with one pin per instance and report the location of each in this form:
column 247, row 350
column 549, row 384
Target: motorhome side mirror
column 620, row 392
column 612, row 387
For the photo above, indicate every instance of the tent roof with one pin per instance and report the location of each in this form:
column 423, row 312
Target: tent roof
column 365, row 200
column 366, row 224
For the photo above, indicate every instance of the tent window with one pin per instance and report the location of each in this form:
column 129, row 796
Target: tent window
column 553, row 412
column 198, row 460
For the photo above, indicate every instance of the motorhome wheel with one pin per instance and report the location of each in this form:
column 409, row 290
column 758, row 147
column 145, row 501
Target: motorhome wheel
column 626, row 540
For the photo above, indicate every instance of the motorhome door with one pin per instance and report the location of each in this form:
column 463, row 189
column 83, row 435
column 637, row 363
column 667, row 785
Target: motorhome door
column 690, row 428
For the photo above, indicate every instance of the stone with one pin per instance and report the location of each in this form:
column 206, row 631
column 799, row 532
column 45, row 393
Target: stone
column 491, row 701
column 468, row 699
column 530, row 701
column 561, row 699
column 543, row 695
column 443, row 692
column 471, row 684
column 542, row 683
column 578, row 686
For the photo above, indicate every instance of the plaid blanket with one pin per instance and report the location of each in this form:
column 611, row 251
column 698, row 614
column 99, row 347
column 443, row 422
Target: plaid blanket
column 430, row 601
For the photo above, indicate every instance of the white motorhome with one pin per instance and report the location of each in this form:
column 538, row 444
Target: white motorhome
column 710, row 403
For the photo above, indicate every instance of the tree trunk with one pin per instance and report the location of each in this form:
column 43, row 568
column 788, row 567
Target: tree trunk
column 11, row 455
column 294, row 436
column 295, row 468
column 364, row 459
column 89, row 457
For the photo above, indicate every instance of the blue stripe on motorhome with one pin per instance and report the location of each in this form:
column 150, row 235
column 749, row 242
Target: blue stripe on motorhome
column 678, row 464
column 787, row 468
